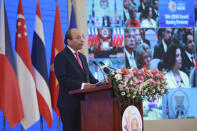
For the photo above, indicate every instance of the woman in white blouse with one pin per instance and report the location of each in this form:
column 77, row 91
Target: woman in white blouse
column 173, row 62
column 148, row 22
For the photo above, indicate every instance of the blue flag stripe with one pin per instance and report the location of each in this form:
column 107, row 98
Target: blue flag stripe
column 39, row 57
column 73, row 23
column 8, row 43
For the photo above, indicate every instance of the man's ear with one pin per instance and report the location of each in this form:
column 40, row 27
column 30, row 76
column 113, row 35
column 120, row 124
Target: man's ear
column 68, row 41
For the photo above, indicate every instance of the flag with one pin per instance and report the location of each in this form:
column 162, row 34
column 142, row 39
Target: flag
column 115, row 11
column 89, row 38
column 114, row 38
column 121, row 38
column 96, row 44
column 58, row 45
column 10, row 98
column 25, row 72
column 40, row 70
column 73, row 23
column 93, row 38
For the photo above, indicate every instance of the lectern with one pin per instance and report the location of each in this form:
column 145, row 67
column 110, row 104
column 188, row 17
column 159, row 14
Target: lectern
column 101, row 111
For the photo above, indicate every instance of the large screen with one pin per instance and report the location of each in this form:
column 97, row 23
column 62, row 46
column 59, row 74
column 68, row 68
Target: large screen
column 152, row 33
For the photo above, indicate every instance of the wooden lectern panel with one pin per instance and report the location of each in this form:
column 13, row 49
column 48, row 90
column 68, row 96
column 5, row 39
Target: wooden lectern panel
column 100, row 111
column 97, row 112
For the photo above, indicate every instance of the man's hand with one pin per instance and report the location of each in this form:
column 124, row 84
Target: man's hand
column 88, row 85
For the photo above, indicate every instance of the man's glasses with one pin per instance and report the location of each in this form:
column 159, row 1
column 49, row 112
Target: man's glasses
column 80, row 37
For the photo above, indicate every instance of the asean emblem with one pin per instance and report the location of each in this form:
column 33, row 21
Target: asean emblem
column 131, row 119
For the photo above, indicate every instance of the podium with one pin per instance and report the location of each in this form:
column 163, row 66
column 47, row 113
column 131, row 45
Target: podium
column 101, row 111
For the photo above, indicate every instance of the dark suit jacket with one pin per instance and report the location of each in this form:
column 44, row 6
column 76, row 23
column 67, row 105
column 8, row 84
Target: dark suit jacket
column 127, row 65
column 159, row 51
column 70, row 77
column 186, row 64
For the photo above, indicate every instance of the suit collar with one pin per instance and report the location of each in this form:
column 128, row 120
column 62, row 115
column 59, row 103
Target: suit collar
column 72, row 56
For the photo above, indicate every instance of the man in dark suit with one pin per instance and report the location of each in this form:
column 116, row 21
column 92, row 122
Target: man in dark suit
column 162, row 46
column 188, row 57
column 72, row 72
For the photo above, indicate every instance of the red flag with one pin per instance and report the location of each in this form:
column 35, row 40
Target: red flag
column 121, row 38
column 93, row 38
column 96, row 45
column 10, row 98
column 89, row 38
column 25, row 72
column 114, row 38
column 58, row 45
column 40, row 70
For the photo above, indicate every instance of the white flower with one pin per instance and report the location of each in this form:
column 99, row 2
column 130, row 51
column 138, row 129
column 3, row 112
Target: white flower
column 122, row 93
column 118, row 77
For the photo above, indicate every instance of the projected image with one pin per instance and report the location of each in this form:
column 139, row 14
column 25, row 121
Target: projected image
column 104, row 13
column 154, row 34
column 141, row 13
column 105, row 42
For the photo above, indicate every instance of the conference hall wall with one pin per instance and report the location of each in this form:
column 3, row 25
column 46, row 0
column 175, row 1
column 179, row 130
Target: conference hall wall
column 150, row 21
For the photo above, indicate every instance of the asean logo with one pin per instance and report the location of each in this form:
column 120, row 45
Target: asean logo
column 172, row 6
column 131, row 119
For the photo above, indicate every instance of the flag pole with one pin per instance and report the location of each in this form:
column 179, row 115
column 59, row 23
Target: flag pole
column 4, row 124
column 21, row 127
column 58, row 126
column 41, row 123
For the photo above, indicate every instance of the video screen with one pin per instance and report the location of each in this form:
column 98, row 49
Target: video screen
column 148, row 33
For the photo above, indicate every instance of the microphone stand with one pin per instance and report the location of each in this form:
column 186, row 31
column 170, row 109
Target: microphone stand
column 105, row 81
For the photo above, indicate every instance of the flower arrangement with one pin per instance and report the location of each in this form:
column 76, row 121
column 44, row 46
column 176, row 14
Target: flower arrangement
column 137, row 84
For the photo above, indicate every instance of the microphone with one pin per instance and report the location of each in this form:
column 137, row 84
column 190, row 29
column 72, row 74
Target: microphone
column 105, row 68
column 100, row 83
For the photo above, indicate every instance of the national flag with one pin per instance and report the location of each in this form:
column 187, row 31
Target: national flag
column 121, row 38
column 89, row 38
column 10, row 98
column 114, row 38
column 96, row 45
column 115, row 11
column 58, row 45
column 73, row 23
column 40, row 70
column 117, row 38
column 25, row 72
column 93, row 38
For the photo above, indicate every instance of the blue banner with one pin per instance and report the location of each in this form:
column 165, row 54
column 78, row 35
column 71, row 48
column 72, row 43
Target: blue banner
column 176, row 13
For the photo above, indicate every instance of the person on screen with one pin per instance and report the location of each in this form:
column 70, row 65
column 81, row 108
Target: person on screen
column 132, row 13
column 143, row 56
column 126, row 4
column 172, row 63
column 130, row 46
column 106, row 21
column 188, row 55
column 155, row 12
column 72, row 72
column 139, row 37
column 148, row 21
column 164, row 42
column 178, row 36
column 141, row 8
